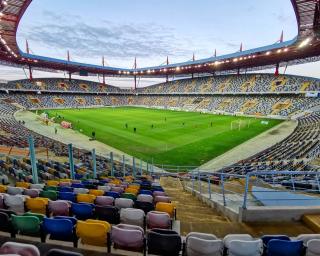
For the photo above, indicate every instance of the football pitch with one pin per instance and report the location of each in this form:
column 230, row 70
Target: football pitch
column 167, row 137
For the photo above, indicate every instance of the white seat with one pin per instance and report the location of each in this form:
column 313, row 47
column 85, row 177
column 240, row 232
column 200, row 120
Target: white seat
column 242, row 237
column 307, row 237
column 81, row 190
column 15, row 202
column 203, row 244
column 123, row 203
column 37, row 186
column 132, row 216
column 14, row 190
column 313, row 247
column 104, row 188
column 245, row 248
column 145, row 198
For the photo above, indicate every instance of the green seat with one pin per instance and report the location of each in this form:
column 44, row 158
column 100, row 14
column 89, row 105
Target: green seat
column 37, row 215
column 26, row 225
column 129, row 196
column 52, row 195
column 52, row 188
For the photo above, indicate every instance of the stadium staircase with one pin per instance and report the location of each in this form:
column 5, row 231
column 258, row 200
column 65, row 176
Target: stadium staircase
column 305, row 86
column 281, row 106
column 312, row 221
column 249, row 84
column 223, row 86
column 248, row 105
column 281, row 81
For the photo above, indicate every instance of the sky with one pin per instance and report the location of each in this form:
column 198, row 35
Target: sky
column 151, row 30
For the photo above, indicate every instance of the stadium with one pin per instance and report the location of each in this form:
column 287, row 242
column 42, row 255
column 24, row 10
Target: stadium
column 220, row 156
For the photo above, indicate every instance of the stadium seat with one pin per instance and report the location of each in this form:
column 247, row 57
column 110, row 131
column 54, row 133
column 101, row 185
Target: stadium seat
column 51, row 188
column 33, row 193
column 129, row 196
column 3, row 189
column 50, row 194
column 239, row 237
column 66, row 189
column 1, row 201
column 12, row 248
column 267, row 238
column 284, row 248
column 245, row 248
column 145, row 206
column 117, row 189
column 59, row 208
column 107, row 213
column 81, row 190
column 159, row 193
column 104, row 188
column 313, row 247
column 123, row 203
column 145, row 192
column 132, row 190
column 94, row 232
column 59, row 229
column 166, row 207
column 82, row 211
column 15, row 203
column 163, row 242
column 68, row 196
column 104, row 200
column 52, row 183
column 145, row 198
column 128, row 237
column 37, row 205
column 132, row 217
column 96, row 192
column 14, row 191
column 160, row 220
column 203, row 244
column 85, row 198
column 5, row 223
column 26, row 225
column 25, row 185
column 113, row 194
column 58, row 252
column 307, row 237
column 37, row 186
column 164, row 199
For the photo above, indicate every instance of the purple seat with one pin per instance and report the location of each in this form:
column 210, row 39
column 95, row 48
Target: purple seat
column 145, row 198
column 158, row 220
column 163, row 199
column 117, row 189
column 33, row 193
column 128, row 237
column 19, row 249
column 159, row 193
column 59, row 208
column 104, row 200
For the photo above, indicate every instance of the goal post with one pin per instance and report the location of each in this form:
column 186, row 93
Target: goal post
column 240, row 124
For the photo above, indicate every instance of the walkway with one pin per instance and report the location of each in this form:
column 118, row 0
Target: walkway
column 251, row 147
column 198, row 217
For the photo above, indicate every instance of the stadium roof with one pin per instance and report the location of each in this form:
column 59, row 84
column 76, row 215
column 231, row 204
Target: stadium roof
column 304, row 48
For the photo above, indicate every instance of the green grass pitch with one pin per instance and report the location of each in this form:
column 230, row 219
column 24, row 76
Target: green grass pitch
column 176, row 138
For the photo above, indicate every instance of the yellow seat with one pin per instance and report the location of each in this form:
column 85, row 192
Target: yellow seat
column 22, row 184
column 93, row 232
column 65, row 180
column 116, row 182
column 3, row 189
column 165, row 207
column 37, row 205
column 137, row 187
column 96, row 192
column 86, row 198
column 132, row 191
column 53, row 183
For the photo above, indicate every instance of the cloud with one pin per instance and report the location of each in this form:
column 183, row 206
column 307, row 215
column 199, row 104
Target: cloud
column 145, row 40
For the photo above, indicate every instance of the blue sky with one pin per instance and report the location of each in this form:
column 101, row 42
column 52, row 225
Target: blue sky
column 154, row 29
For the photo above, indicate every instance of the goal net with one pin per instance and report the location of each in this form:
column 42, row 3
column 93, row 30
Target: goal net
column 240, row 124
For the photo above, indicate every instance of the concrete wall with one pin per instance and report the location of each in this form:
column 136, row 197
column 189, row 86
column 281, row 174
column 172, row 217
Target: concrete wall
column 275, row 214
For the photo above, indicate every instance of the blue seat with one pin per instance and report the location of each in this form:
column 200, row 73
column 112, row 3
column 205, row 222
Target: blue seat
column 59, row 229
column 146, row 192
column 77, row 185
column 267, row 238
column 284, row 248
column 65, row 189
column 69, row 196
column 82, row 211
column 157, row 188
column 72, row 219
column 113, row 194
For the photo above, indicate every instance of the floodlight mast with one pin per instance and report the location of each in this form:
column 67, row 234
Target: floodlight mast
column 103, row 75
column 68, row 58
column 30, row 69
column 135, row 73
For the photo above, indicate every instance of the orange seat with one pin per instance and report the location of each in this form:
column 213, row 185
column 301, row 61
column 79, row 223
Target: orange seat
column 23, row 185
column 86, row 198
column 96, row 192
column 37, row 205
column 166, row 207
